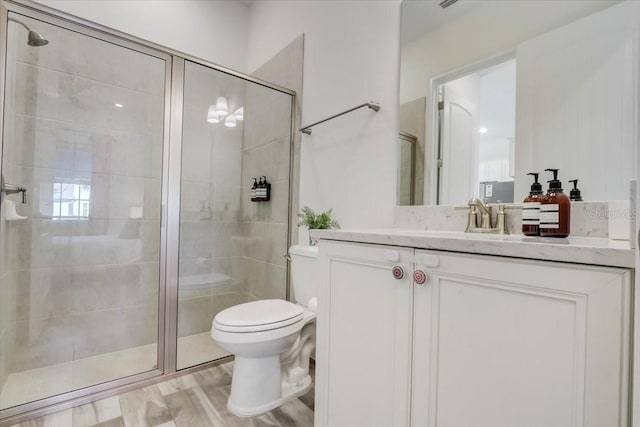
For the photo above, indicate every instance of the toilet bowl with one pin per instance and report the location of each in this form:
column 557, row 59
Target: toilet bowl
column 272, row 341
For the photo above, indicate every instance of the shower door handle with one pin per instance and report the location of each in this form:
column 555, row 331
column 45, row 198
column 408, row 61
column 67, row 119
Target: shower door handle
column 12, row 189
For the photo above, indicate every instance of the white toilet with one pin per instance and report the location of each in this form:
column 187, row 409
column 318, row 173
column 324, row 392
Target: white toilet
column 272, row 341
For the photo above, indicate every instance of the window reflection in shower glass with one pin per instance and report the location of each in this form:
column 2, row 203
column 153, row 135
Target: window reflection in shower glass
column 71, row 201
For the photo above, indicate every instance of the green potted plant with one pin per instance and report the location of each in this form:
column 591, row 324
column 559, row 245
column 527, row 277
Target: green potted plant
column 313, row 221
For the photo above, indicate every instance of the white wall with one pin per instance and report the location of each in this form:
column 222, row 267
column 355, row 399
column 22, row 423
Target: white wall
column 212, row 30
column 350, row 56
column 577, row 113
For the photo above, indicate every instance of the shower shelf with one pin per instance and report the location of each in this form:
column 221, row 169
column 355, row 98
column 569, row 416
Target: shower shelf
column 11, row 214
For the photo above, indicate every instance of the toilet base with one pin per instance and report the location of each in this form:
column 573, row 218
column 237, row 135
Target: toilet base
column 289, row 391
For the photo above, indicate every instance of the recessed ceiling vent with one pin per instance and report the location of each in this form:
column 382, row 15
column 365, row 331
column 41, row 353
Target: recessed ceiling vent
column 447, row 3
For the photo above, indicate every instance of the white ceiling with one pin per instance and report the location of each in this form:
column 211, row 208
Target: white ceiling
column 420, row 15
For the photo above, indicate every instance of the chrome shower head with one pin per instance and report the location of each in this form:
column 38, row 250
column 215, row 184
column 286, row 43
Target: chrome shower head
column 34, row 39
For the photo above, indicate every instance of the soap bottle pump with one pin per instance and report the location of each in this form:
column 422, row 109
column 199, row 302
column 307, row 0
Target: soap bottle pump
column 555, row 210
column 531, row 208
column 574, row 194
column 266, row 190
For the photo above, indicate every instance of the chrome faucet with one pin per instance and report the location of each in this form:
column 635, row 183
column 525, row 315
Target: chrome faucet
column 485, row 212
column 480, row 213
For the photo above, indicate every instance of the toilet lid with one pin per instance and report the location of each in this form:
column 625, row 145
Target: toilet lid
column 258, row 316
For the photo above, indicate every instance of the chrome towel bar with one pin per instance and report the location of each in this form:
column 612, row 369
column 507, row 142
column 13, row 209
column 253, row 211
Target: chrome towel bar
column 373, row 105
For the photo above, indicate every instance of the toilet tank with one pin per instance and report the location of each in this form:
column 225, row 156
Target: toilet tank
column 304, row 273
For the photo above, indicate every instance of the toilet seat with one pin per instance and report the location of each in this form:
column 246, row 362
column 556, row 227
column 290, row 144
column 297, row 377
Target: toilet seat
column 258, row 316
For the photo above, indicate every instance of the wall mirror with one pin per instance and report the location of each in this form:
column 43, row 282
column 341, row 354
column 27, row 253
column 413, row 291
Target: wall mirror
column 493, row 89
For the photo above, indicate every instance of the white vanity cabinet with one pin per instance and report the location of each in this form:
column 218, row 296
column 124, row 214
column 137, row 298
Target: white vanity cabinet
column 363, row 353
column 486, row 341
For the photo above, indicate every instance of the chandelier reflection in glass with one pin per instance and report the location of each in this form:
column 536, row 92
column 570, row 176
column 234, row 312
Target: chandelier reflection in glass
column 220, row 110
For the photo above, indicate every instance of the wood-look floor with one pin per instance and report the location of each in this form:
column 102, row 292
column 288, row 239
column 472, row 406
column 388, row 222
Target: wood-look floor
column 193, row 400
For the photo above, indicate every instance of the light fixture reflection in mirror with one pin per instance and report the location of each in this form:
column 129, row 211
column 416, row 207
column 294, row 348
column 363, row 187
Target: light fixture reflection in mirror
column 574, row 87
column 220, row 110
column 230, row 121
column 212, row 115
column 221, row 106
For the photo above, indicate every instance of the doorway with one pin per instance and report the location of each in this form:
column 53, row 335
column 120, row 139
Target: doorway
column 476, row 134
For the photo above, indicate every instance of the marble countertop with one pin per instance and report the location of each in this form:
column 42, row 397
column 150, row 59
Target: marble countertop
column 581, row 250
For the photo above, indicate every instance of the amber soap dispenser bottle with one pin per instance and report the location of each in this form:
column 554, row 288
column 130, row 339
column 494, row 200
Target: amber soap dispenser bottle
column 555, row 210
column 531, row 208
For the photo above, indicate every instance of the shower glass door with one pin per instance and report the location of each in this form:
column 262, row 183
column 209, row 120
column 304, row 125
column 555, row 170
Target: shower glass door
column 80, row 257
column 231, row 248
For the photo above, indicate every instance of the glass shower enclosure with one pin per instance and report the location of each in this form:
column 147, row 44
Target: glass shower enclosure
column 126, row 222
column 231, row 249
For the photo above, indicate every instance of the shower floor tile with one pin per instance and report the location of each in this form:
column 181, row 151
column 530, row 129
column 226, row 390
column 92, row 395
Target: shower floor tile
column 196, row 349
column 195, row 399
column 35, row 384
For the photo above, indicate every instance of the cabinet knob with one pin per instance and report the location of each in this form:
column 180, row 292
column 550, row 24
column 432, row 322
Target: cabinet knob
column 419, row 277
column 398, row 272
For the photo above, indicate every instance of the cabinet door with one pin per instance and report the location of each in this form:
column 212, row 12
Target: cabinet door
column 364, row 336
column 506, row 342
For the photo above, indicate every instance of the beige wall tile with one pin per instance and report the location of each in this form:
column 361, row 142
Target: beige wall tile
column 102, row 331
column 44, row 93
column 103, row 61
column 41, row 293
column 41, row 342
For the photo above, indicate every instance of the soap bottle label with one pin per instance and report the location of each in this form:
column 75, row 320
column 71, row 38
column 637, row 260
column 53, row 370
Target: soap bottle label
column 531, row 213
column 550, row 215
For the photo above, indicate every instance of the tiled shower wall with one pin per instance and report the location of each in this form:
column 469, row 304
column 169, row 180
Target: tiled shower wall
column 76, row 288
column 266, row 151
